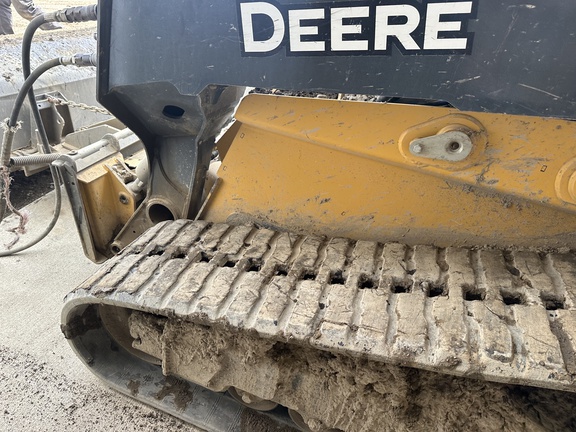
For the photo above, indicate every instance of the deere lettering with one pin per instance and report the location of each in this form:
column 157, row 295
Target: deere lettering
column 430, row 27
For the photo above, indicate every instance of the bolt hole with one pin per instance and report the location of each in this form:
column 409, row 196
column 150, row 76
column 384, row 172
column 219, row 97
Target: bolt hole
column 115, row 249
column 229, row 263
column 366, row 282
column 472, row 293
column 173, row 112
column 336, row 278
column 454, row 147
column 123, row 198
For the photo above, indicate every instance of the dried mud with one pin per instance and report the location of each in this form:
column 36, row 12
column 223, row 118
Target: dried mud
column 356, row 395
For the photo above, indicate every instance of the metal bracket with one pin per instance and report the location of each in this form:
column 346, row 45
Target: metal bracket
column 56, row 118
column 67, row 168
column 452, row 146
column 451, row 143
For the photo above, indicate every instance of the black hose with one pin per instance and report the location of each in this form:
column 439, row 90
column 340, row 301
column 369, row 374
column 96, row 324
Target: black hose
column 74, row 14
column 26, row 48
column 27, row 89
column 12, row 123
column 27, row 86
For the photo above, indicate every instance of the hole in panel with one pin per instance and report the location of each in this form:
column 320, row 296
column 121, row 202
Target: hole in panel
column 173, row 112
column 159, row 213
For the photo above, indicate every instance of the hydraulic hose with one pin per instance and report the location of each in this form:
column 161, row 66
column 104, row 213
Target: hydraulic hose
column 12, row 125
column 55, row 216
column 27, row 86
column 68, row 15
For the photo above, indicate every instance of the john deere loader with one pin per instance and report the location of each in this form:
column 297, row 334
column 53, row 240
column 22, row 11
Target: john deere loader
column 349, row 215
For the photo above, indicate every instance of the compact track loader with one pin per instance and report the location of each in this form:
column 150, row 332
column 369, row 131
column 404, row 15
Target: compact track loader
column 383, row 237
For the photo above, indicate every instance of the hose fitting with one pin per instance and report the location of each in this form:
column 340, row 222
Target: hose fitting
column 80, row 60
column 73, row 14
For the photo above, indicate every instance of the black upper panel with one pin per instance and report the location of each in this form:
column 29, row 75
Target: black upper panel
column 481, row 55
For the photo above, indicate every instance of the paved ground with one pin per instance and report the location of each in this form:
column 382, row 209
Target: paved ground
column 43, row 387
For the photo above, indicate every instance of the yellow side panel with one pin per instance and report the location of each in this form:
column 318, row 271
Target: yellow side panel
column 342, row 168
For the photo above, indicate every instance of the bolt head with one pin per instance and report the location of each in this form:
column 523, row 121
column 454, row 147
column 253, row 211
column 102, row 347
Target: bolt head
column 417, row 148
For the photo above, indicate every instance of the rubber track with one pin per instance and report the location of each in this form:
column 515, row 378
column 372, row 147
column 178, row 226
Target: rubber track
column 504, row 316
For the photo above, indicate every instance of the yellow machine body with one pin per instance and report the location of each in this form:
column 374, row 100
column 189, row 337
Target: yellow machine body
column 345, row 169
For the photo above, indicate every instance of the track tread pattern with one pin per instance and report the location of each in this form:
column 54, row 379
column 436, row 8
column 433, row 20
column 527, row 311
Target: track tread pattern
column 501, row 315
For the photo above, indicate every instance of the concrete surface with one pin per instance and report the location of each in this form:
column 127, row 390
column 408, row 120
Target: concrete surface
column 43, row 386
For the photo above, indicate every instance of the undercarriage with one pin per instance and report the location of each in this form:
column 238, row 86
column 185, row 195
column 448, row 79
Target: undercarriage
column 332, row 328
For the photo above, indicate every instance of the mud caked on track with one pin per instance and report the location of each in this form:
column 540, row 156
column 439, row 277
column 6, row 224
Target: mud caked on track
column 294, row 320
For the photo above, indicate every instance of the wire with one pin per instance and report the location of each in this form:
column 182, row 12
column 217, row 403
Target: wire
column 57, row 207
